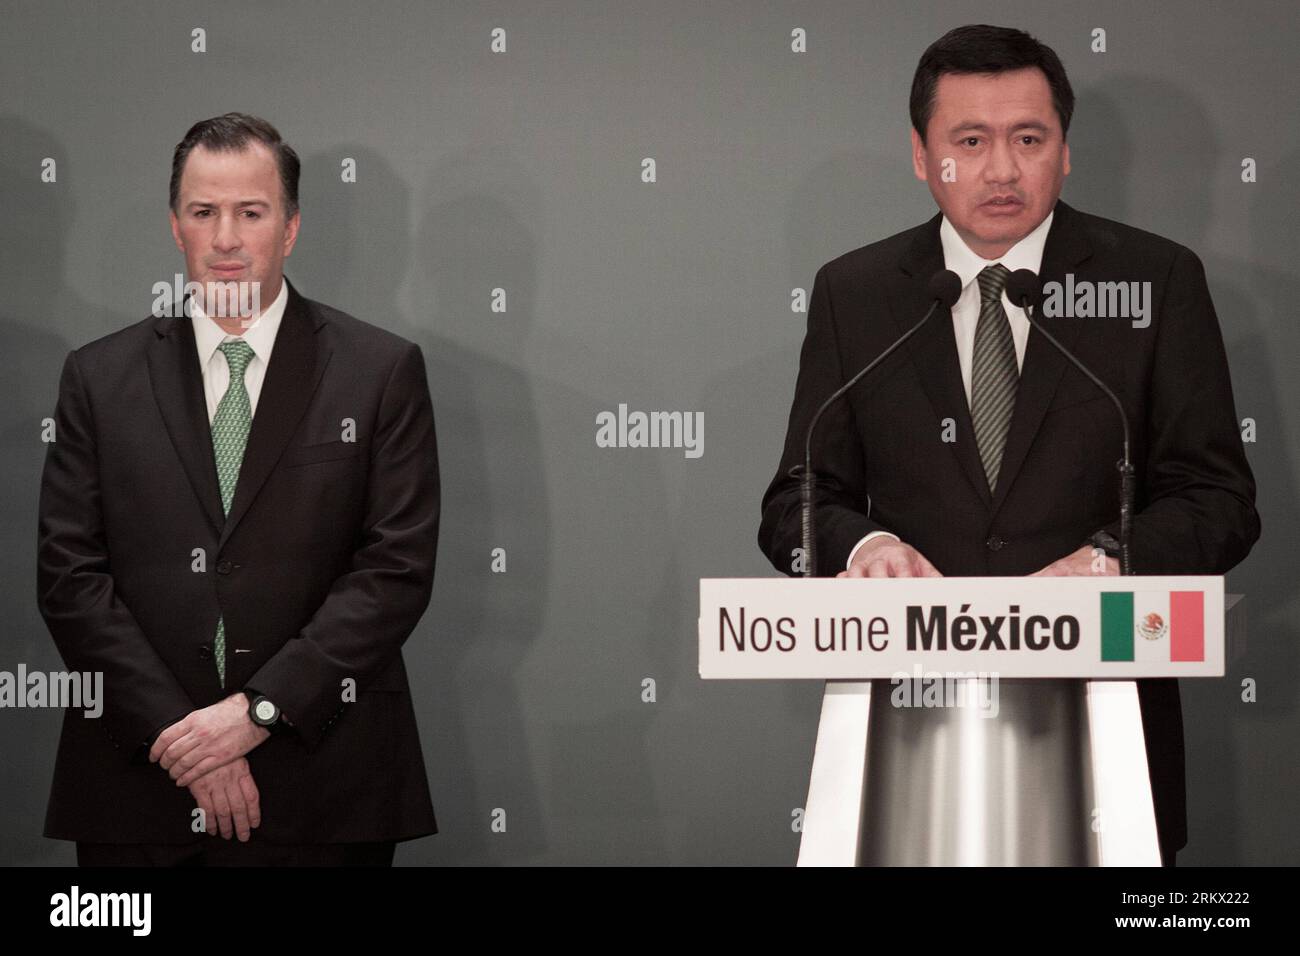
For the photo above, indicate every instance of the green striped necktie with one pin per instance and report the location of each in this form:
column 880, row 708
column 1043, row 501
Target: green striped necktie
column 230, row 427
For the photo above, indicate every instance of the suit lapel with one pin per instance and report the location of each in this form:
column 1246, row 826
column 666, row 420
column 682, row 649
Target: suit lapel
column 178, row 389
column 935, row 351
column 297, row 363
column 1043, row 366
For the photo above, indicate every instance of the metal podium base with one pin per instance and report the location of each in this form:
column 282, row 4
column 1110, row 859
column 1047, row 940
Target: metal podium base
column 1001, row 779
column 1058, row 778
column 1055, row 774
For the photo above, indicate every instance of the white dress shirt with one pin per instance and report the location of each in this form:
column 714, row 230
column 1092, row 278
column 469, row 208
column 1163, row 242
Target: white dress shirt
column 261, row 338
column 959, row 258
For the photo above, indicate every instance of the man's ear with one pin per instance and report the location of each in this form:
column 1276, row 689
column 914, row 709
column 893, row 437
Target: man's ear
column 1065, row 159
column 176, row 229
column 291, row 232
column 918, row 157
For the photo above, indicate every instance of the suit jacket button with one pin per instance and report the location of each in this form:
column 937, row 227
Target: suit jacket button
column 223, row 567
column 205, row 652
column 994, row 543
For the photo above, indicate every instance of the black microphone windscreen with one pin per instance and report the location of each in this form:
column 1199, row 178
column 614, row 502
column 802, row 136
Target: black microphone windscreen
column 945, row 285
column 1024, row 286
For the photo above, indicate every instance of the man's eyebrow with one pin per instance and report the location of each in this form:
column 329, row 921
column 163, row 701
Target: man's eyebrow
column 985, row 128
column 205, row 204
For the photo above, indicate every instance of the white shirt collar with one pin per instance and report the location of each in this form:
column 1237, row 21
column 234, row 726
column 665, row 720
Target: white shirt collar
column 260, row 335
column 1025, row 254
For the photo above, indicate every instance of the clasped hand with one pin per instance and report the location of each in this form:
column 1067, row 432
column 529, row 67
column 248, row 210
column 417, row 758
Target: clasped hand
column 205, row 752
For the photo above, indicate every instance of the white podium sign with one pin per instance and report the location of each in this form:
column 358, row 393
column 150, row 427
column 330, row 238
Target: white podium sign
column 865, row 628
column 970, row 632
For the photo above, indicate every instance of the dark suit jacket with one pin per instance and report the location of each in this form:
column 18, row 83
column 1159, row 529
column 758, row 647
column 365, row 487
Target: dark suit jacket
column 322, row 569
column 882, row 465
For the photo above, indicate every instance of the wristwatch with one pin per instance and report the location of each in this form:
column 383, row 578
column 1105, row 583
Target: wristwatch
column 263, row 712
column 1106, row 542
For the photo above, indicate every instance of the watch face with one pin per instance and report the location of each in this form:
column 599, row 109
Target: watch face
column 265, row 710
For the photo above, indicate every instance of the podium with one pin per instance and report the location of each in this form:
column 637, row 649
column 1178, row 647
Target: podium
column 974, row 721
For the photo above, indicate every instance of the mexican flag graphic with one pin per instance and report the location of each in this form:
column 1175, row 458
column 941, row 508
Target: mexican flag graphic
column 1152, row 626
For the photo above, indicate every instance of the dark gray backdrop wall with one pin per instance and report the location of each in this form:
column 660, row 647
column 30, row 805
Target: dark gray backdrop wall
column 522, row 171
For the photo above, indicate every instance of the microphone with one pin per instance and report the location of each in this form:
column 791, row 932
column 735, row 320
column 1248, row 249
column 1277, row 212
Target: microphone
column 944, row 289
column 1026, row 290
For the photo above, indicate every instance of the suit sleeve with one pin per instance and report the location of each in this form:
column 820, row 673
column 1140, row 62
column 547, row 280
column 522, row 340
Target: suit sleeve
column 93, row 629
column 1199, row 515
column 372, row 608
column 840, row 492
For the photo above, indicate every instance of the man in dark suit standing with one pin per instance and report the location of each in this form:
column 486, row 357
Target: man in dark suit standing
column 238, row 524
column 977, row 449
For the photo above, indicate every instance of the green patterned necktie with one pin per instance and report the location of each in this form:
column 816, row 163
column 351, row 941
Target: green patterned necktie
column 230, row 427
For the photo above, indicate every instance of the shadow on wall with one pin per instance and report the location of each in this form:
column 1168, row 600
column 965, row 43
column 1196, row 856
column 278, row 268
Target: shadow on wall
column 354, row 253
column 1165, row 177
column 41, row 319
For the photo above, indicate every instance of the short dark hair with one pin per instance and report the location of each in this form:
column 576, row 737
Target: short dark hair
column 980, row 48
column 234, row 131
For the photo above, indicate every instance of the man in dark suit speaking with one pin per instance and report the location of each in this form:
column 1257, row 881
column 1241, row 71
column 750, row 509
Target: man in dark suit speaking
column 976, row 448
column 238, row 523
